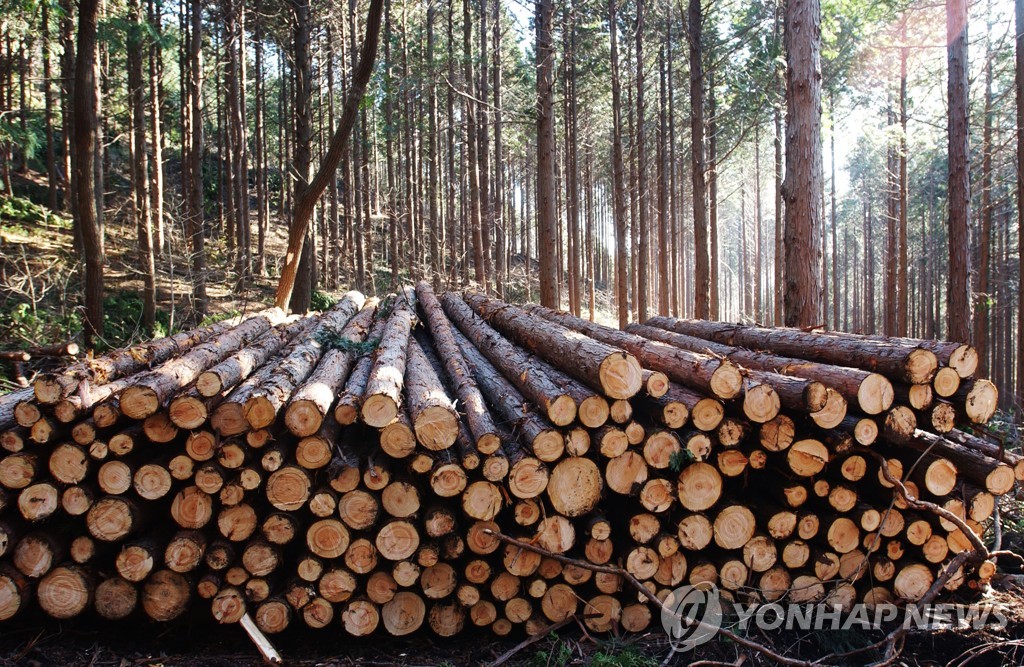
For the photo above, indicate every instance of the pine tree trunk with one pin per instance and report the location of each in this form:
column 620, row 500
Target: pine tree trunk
column 618, row 186
column 901, row 323
column 958, row 289
column 802, row 293
column 702, row 267
column 140, row 169
column 1018, row 71
column 155, row 18
column 84, row 125
column 981, row 323
column 194, row 188
column 546, row 211
column 644, row 250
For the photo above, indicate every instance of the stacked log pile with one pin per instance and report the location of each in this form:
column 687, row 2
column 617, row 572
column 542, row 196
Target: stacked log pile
column 451, row 460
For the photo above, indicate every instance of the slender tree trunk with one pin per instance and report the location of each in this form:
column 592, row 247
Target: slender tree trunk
column 835, row 252
column 618, row 186
column 260, row 157
column 154, row 11
column 759, row 315
column 959, row 288
column 780, row 248
column 453, row 253
column 501, row 229
column 643, row 265
column 546, row 212
column 483, row 153
column 472, row 143
column 715, row 310
column 67, row 77
column 663, row 189
column 702, row 267
column 51, row 147
column 803, row 163
column 892, row 214
column 195, row 196
column 981, row 323
column 1018, row 70
column 85, row 122
column 140, row 167
column 901, row 324
column 435, row 228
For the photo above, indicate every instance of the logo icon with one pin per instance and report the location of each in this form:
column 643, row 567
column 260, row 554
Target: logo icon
column 692, row 615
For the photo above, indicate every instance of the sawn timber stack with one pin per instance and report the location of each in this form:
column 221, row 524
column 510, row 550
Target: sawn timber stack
column 449, row 460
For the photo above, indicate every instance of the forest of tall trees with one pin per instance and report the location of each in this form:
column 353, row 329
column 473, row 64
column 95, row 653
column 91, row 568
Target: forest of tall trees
column 840, row 163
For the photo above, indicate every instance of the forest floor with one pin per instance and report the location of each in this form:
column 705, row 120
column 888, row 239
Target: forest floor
column 188, row 643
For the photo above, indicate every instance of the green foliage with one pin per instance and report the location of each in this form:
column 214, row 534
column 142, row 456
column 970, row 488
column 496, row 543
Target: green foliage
column 333, row 340
column 680, row 459
column 21, row 210
column 625, row 656
column 213, row 318
column 21, row 324
column 122, row 320
column 321, row 301
column 559, row 655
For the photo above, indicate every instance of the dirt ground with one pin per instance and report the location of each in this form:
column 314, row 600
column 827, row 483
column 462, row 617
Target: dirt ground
column 41, row 642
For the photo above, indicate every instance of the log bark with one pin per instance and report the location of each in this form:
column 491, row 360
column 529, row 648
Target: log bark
column 896, row 362
column 702, row 373
column 613, row 372
column 382, row 397
column 431, row 412
column 263, row 405
column 522, row 370
column 872, row 392
column 546, row 443
column 312, row 401
column 478, row 418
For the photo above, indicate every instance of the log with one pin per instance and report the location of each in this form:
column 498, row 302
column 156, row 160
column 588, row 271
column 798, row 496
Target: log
column 433, row 416
column 478, row 417
column 872, row 392
column 978, row 399
column 700, row 372
column 52, row 387
column 526, row 372
column 115, row 598
column 383, row 394
column 988, row 448
column 612, row 371
column 312, row 401
column 152, row 391
column 959, row 356
column 265, row 402
column 988, row 473
column 65, row 592
column 914, row 365
column 546, row 443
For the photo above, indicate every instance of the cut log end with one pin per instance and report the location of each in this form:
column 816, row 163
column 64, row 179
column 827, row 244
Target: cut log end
column 964, row 360
column 761, row 403
column 621, row 376
column 920, row 366
column 875, row 394
column 946, row 382
column 379, row 410
column 139, row 402
column 437, row 427
column 303, row 418
column 833, row 413
column 982, row 401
